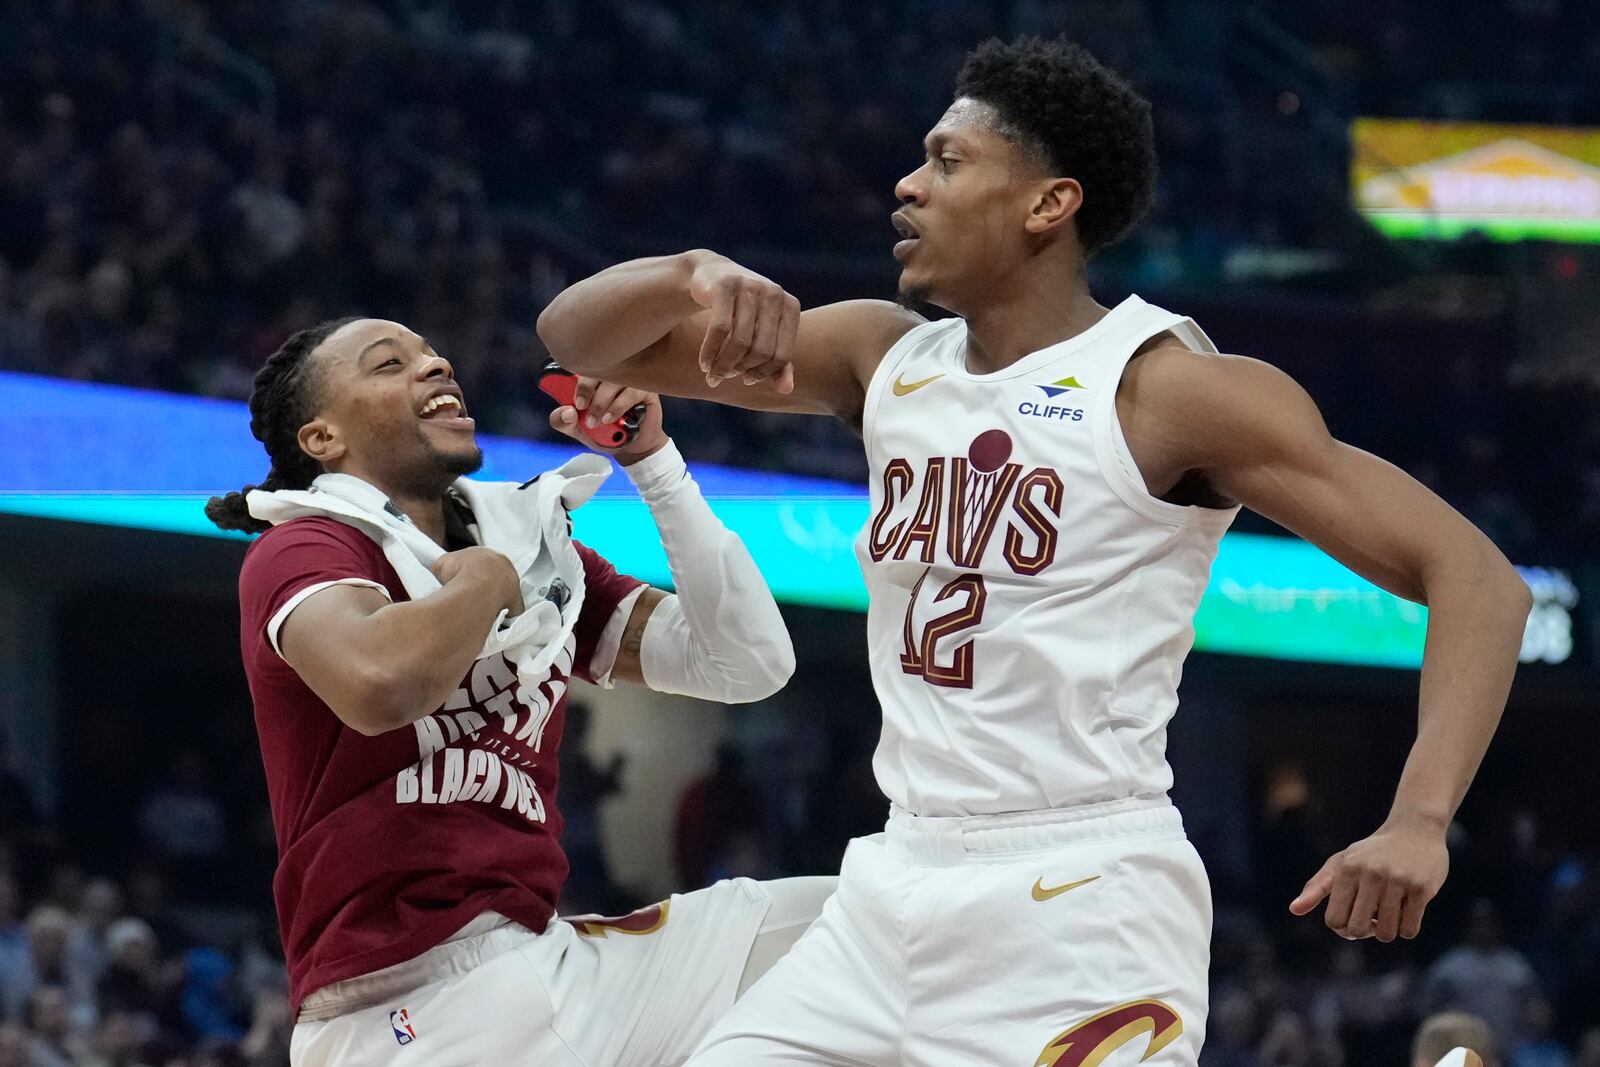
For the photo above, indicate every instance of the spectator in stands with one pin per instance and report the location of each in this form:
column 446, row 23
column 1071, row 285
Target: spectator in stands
column 1373, row 1012
column 585, row 785
column 48, row 962
column 209, row 996
column 267, row 1042
column 137, row 985
column 1290, row 1042
column 183, row 818
column 1588, row 1049
column 13, row 937
column 1440, row 1033
column 14, row 1050
column 100, row 906
column 1484, row 976
column 1538, row 1046
column 53, row 1042
column 1565, row 946
column 714, row 811
column 117, row 1042
column 1231, row 1031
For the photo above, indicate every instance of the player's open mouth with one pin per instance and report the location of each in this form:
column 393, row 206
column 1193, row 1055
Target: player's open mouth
column 447, row 410
column 906, row 230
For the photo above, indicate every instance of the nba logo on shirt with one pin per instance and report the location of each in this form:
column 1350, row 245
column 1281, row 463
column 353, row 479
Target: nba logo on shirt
column 400, row 1023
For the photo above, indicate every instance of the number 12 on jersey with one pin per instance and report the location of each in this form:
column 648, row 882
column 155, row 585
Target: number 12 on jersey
column 920, row 655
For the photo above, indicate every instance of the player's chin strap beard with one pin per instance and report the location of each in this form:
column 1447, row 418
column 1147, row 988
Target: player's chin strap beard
column 432, row 475
column 914, row 300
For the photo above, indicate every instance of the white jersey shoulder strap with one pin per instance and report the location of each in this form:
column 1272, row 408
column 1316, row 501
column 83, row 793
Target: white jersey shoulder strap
column 900, row 369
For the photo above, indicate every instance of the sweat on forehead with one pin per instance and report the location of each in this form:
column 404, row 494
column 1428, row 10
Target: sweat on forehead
column 969, row 113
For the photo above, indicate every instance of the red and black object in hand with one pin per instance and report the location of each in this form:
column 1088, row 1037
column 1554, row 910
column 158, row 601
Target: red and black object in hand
column 561, row 385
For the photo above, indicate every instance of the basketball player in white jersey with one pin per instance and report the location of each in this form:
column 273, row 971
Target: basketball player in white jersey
column 1050, row 479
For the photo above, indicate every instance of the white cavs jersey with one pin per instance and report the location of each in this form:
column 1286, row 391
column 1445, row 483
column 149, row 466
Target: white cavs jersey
column 1031, row 602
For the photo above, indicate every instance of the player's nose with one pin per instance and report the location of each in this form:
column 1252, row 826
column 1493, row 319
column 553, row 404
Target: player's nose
column 435, row 367
column 913, row 188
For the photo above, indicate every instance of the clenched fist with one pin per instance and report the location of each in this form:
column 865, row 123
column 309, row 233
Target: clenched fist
column 753, row 325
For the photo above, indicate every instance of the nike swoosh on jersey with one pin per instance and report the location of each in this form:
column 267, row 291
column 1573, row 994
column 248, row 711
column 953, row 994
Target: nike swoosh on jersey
column 1041, row 893
column 902, row 387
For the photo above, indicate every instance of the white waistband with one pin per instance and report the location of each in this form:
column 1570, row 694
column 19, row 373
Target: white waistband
column 482, row 939
column 945, row 840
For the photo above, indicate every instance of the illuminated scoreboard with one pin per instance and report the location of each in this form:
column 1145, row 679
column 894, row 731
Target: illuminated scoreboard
column 1445, row 179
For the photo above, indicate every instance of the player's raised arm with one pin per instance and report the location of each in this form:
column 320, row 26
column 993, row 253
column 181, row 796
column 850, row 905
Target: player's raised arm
column 720, row 636
column 1259, row 439
column 689, row 323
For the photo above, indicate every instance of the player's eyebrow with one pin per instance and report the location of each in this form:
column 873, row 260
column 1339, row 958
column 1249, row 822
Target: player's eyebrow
column 939, row 140
column 370, row 345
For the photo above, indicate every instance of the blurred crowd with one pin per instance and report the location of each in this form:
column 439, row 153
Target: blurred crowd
column 1522, row 61
column 1514, row 942
column 87, row 981
column 136, row 931
column 158, row 948
column 184, row 183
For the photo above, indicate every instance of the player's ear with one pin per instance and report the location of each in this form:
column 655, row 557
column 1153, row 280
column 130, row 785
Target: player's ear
column 321, row 440
column 1055, row 201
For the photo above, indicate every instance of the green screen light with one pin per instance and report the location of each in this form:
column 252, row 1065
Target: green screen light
column 1269, row 596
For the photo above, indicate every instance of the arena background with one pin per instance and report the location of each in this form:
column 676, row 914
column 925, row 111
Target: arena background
column 1394, row 202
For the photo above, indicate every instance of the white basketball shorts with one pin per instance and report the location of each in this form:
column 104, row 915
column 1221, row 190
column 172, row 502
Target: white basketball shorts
column 1068, row 938
column 639, row 991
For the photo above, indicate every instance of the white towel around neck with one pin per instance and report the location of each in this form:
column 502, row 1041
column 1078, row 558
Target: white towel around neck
column 526, row 523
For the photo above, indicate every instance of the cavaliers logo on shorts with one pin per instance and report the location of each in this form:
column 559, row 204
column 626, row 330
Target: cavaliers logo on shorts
column 1088, row 1043
column 644, row 921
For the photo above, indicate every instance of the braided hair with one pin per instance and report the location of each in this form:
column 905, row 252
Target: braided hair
column 281, row 402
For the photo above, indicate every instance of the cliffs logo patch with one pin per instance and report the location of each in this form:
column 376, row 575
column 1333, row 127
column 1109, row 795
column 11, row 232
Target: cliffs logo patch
column 1089, row 1043
column 1063, row 385
column 400, row 1023
column 1065, row 411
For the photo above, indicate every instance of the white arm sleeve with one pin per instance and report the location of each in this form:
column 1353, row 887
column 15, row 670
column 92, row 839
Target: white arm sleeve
column 720, row 637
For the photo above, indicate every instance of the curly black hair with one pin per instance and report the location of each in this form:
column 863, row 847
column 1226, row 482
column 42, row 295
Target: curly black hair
column 281, row 401
column 1056, row 99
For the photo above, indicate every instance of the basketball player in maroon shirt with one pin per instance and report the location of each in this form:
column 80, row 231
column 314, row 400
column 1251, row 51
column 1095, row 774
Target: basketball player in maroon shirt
column 413, row 779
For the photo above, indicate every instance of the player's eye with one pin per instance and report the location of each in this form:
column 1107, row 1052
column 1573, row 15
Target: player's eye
column 390, row 362
column 945, row 163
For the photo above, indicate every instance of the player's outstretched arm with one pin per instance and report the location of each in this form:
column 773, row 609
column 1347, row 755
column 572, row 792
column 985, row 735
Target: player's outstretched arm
column 700, row 325
column 1259, row 439
column 720, row 636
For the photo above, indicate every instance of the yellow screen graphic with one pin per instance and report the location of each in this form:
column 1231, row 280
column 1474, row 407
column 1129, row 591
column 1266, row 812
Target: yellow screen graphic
column 1445, row 179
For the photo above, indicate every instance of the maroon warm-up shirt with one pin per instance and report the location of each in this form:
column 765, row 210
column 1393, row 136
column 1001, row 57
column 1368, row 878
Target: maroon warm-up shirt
column 387, row 845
